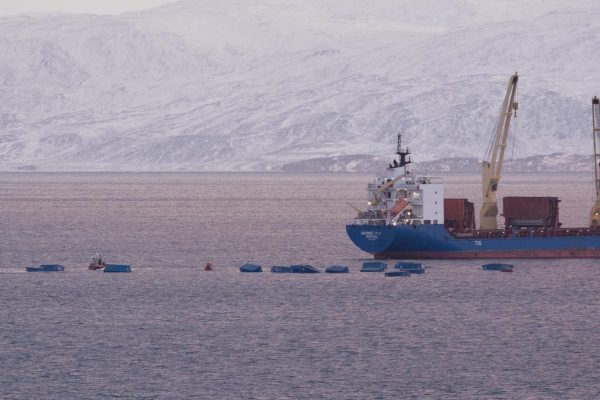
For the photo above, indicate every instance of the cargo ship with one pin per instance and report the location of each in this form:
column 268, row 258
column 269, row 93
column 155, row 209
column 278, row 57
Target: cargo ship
column 409, row 218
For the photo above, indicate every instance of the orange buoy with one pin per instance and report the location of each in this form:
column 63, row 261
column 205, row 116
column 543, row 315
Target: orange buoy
column 208, row 267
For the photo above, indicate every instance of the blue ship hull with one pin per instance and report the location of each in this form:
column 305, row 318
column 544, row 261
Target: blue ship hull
column 435, row 242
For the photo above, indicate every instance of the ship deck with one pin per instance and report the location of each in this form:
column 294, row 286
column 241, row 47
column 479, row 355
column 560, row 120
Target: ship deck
column 523, row 233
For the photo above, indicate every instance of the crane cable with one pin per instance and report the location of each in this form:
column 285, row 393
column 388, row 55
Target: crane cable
column 490, row 148
column 492, row 142
column 514, row 137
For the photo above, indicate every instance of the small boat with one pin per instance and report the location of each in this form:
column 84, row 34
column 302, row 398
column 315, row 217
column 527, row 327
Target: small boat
column 373, row 266
column 97, row 263
column 498, row 267
column 250, row 268
column 400, row 272
column 117, row 268
column 208, row 267
column 412, row 267
column 295, row 269
column 337, row 269
column 46, row 268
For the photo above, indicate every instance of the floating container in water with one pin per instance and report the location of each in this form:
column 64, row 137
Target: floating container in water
column 117, row 268
column 250, row 268
column 295, row 269
column 412, row 267
column 46, row 268
column 373, row 266
column 400, row 272
column 337, row 269
column 498, row 267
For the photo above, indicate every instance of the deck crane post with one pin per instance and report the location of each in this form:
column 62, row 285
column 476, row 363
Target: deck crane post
column 595, row 214
column 492, row 164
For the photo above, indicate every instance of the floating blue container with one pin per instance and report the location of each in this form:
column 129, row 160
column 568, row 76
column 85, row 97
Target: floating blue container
column 117, row 268
column 408, row 265
column 400, row 272
column 412, row 267
column 250, row 268
column 373, row 266
column 46, row 268
column 337, row 269
column 304, row 269
column 295, row 269
column 498, row 267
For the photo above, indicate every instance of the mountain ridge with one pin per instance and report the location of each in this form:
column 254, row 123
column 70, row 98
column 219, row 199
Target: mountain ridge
column 197, row 85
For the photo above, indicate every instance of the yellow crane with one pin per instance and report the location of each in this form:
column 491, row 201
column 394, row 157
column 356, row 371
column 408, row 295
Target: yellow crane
column 492, row 164
column 595, row 214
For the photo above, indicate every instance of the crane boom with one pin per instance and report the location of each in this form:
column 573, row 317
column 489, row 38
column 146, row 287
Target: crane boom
column 492, row 164
column 595, row 214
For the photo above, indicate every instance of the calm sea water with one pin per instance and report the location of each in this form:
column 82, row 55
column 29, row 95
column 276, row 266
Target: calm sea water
column 169, row 330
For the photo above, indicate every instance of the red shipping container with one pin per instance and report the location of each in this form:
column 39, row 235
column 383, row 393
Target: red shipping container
column 459, row 214
column 531, row 212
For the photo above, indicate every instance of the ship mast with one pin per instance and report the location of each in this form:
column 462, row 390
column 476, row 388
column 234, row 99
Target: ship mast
column 492, row 164
column 402, row 162
column 595, row 214
column 402, row 155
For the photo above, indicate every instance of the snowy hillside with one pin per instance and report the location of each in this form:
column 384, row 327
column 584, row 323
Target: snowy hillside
column 270, row 84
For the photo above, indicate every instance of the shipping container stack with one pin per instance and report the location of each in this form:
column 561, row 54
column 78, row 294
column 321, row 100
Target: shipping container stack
column 459, row 214
column 531, row 212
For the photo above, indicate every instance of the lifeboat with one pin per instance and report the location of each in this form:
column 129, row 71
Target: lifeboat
column 400, row 205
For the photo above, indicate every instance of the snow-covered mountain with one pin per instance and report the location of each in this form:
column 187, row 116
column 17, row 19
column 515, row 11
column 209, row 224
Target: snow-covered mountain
column 281, row 84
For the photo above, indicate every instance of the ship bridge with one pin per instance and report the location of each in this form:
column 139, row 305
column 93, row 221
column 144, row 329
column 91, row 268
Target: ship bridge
column 403, row 199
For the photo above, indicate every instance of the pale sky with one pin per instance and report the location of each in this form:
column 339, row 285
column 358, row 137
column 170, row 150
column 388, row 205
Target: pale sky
column 10, row 7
